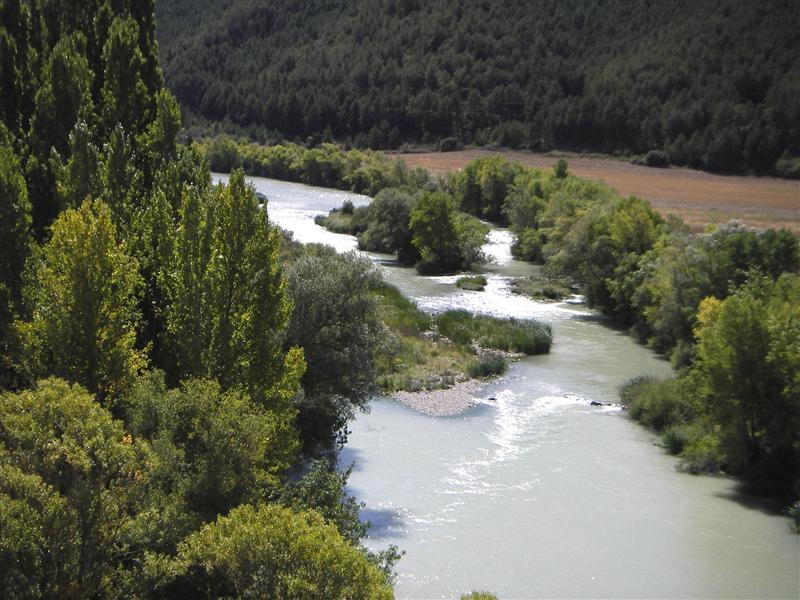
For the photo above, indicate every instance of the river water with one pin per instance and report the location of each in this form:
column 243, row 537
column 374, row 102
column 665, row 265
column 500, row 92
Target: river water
column 539, row 494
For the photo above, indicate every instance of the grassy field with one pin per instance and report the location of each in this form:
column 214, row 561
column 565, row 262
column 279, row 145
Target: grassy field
column 698, row 198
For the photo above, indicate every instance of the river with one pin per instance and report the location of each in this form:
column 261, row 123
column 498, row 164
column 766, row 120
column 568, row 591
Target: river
column 539, row 494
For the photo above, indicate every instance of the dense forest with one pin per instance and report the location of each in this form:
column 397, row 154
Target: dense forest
column 710, row 84
column 170, row 409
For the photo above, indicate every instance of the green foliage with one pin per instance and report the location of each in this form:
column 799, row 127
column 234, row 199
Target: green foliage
column 339, row 221
column 508, row 335
column 388, row 230
column 656, row 158
column 745, row 374
column 541, row 287
column 717, row 91
column 72, row 495
column 676, row 437
column 64, row 92
column 446, row 240
column 482, row 186
column 228, row 307
column 399, row 313
column 147, row 262
column 788, row 167
column 328, row 165
column 84, row 305
column 560, row 169
column 77, row 180
column 658, row 404
column 703, row 454
column 216, row 449
column 15, row 224
column 273, row 552
column 335, row 321
column 488, row 365
column 475, row 283
column 125, row 96
column 322, row 488
column 478, row 596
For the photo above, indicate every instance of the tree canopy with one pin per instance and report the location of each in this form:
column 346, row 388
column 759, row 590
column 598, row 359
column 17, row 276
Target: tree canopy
column 708, row 84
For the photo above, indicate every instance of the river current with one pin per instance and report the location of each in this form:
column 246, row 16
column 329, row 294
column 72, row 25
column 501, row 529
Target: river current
column 538, row 493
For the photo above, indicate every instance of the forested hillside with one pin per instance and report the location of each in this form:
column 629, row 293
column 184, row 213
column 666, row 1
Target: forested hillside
column 713, row 84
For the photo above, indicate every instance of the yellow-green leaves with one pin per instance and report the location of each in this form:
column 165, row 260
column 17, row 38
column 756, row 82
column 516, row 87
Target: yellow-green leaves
column 85, row 314
column 272, row 552
column 71, row 487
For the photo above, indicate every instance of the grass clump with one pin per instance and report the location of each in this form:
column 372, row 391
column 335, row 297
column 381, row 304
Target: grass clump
column 488, row 365
column 539, row 287
column 475, row 283
column 509, row 335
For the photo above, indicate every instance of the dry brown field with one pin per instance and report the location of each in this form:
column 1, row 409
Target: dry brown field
column 698, row 198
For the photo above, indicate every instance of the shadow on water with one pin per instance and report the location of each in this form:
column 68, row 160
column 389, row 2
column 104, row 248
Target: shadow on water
column 743, row 494
column 383, row 522
column 350, row 456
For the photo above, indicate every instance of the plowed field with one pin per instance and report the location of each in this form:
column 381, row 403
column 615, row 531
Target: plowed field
column 698, row 198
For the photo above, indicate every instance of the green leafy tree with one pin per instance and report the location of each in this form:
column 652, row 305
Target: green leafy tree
column 217, row 449
column 481, row 188
column 78, row 179
column 272, row 552
column 228, row 307
column 125, row 98
column 445, row 242
column 388, row 230
column 746, row 378
column 64, row 94
column 15, row 224
column 119, row 177
column 84, row 304
column 72, row 495
column 322, row 488
column 336, row 323
column 523, row 206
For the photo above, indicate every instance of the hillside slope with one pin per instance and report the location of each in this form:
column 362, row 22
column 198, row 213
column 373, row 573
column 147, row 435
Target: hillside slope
column 713, row 83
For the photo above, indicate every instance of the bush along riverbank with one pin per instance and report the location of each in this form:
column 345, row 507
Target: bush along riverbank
column 736, row 408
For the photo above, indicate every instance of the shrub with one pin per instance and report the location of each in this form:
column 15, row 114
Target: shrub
column 788, row 167
column 657, row 404
column 488, row 365
column 704, row 454
column 656, row 158
column 475, row 283
column 677, row 437
column 449, row 144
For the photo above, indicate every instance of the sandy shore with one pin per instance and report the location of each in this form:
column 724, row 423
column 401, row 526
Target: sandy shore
column 442, row 403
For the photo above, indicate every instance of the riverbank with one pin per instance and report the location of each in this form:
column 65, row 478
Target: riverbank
column 698, row 197
column 445, row 402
